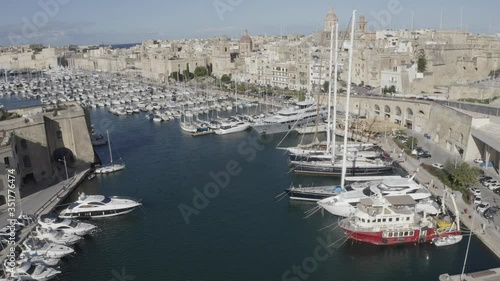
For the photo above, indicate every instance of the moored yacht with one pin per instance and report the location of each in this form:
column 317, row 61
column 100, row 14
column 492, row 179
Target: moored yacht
column 393, row 220
column 29, row 271
column 65, row 225
column 99, row 206
column 289, row 118
column 355, row 166
column 46, row 249
column 345, row 203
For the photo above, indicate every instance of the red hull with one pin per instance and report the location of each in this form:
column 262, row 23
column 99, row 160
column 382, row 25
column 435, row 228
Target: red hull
column 378, row 239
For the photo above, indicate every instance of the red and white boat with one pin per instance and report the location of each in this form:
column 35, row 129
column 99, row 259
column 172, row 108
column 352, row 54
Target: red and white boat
column 394, row 220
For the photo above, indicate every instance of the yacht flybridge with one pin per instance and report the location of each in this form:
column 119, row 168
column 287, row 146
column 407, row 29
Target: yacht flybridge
column 99, row 206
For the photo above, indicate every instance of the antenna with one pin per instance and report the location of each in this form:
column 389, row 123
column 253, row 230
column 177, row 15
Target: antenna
column 441, row 21
column 412, row 18
column 461, row 17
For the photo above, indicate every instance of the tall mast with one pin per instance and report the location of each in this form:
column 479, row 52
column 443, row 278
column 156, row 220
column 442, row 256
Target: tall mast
column 109, row 145
column 349, row 78
column 335, row 77
column 328, row 137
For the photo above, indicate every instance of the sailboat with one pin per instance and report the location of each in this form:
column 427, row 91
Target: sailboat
column 111, row 167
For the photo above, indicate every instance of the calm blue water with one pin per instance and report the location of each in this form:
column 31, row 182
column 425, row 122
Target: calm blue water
column 243, row 233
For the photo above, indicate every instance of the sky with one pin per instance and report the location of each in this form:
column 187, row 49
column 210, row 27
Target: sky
column 85, row 22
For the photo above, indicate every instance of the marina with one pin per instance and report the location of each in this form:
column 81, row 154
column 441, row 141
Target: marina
column 291, row 157
column 166, row 139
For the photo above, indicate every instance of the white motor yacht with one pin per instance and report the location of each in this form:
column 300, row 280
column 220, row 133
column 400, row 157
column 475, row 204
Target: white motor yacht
column 345, row 203
column 290, row 118
column 65, row 225
column 29, row 271
column 50, row 250
column 56, row 236
column 99, row 206
column 233, row 127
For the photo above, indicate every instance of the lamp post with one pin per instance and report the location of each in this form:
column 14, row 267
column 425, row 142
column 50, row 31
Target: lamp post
column 65, row 167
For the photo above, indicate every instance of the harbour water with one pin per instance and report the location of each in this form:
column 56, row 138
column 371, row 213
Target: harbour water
column 239, row 232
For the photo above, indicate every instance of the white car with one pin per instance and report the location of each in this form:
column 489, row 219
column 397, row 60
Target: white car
column 477, row 201
column 490, row 182
column 478, row 160
column 438, row 166
column 494, row 186
column 475, row 191
column 482, row 207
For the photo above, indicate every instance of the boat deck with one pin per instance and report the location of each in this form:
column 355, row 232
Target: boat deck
column 484, row 275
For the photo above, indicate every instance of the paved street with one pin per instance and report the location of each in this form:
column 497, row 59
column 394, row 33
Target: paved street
column 487, row 231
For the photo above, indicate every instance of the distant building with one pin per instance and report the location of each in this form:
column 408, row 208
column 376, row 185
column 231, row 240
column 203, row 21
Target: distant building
column 37, row 143
column 246, row 44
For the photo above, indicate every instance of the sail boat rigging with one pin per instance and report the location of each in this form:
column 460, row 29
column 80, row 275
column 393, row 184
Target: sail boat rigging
column 111, row 167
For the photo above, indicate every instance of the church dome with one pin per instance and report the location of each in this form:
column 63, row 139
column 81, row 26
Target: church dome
column 331, row 16
column 245, row 38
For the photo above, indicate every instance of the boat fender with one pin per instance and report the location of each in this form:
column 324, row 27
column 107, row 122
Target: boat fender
column 384, row 240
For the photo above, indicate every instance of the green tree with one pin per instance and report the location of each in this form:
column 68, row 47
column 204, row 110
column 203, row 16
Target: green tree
column 462, row 175
column 200, row 71
column 176, row 76
column 225, row 79
column 187, row 75
column 389, row 90
column 326, row 86
column 421, row 61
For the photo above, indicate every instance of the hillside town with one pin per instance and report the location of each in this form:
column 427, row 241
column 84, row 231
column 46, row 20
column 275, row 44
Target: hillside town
column 453, row 64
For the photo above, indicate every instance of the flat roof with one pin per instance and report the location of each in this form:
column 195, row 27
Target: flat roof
column 401, row 200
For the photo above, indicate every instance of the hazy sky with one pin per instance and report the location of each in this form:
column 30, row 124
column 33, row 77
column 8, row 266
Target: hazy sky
column 60, row 22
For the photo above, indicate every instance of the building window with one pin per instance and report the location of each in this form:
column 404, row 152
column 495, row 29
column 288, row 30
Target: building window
column 23, row 143
column 6, row 161
column 27, row 161
column 59, row 134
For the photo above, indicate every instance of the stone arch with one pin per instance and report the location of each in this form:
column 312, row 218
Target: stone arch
column 377, row 109
column 63, row 153
column 409, row 113
column 398, row 115
column 387, row 111
column 398, row 111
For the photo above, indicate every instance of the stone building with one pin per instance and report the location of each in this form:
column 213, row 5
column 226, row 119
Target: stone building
column 246, row 44
column 37, row 143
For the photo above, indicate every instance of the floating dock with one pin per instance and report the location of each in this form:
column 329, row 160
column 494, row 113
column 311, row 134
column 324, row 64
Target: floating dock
column 197, row 134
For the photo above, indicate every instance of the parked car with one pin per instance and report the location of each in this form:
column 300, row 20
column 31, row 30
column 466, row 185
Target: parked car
column 475, row 191
column 438, row 166
column 490, row 182
column 425, row 155
column 401, row 138
column 486, row 183
column 478, row 160
column 494, row 186
column 481, row 208
column 417, row 151
column 490, row 212
column 484, row 178
column 477, row 200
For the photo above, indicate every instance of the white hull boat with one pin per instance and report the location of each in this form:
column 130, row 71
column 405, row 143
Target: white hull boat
column 99, row 206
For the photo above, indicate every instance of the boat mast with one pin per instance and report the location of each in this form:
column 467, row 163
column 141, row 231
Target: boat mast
column 328, row 137
column 335, row 77
column 349, row 78
column 109, row 145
